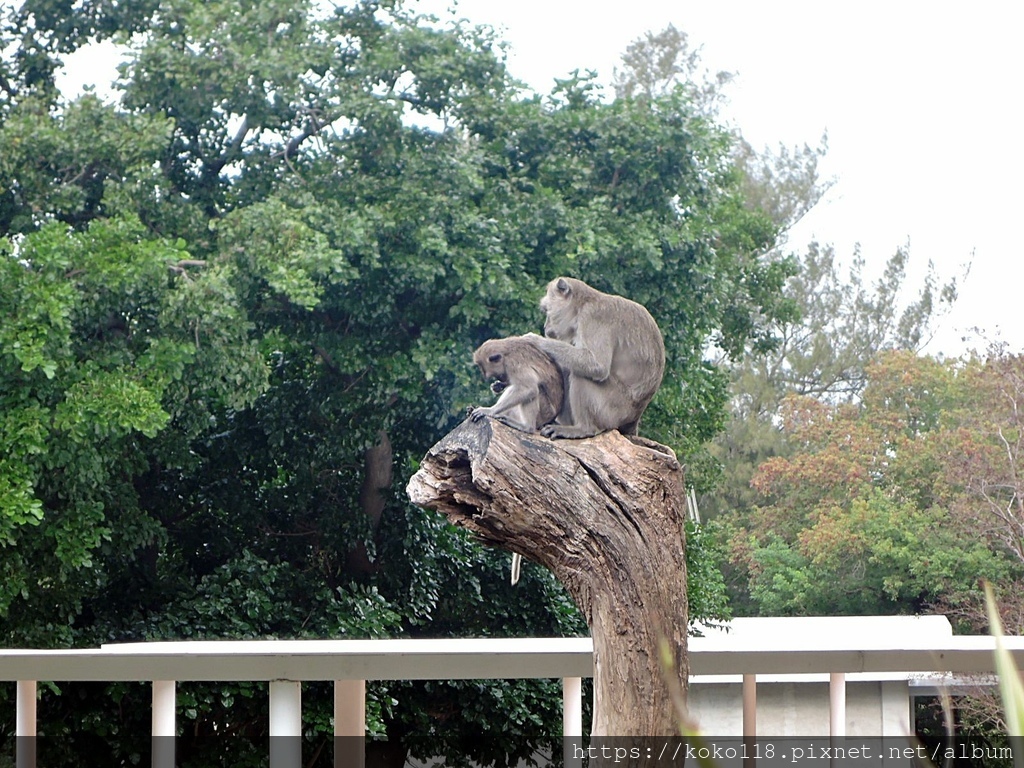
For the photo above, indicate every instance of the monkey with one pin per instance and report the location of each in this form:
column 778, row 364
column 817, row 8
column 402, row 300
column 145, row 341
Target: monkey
column 530, row 389
column 611, row 352
column 528, row 383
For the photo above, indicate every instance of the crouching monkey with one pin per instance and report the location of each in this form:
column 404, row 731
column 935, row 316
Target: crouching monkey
column 530, row 387
column 529, row 382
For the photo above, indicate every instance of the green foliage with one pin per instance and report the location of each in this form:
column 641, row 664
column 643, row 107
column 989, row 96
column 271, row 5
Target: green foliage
column 60, row 165
column 877, row 509
column 875, row 557
column 704, row 580
column 93, row 348
column 840, row 326
column 236, row 299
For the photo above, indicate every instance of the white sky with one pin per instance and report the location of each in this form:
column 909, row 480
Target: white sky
column 921, row 100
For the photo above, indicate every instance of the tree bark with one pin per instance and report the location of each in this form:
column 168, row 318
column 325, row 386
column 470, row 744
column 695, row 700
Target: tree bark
column 378, row 469
column 606, row 516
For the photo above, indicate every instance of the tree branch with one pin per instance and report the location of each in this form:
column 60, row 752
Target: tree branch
column 179, row 267
column 5, row 85
column 213, row 169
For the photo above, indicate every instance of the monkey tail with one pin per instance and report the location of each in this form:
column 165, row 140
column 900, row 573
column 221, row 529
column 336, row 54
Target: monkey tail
column 517, row 561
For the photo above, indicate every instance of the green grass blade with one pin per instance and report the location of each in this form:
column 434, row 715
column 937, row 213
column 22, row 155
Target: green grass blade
column 1010, row 686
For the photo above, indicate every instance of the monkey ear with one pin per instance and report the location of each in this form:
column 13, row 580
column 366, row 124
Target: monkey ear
column 563, row 287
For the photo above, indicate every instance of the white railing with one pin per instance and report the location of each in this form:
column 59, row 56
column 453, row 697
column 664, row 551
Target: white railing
column 286, row 664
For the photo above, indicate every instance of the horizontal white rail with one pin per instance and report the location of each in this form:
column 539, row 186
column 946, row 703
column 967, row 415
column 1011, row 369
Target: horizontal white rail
column 288, row 663
column 956, row 653
column 464, row 659
column 308, row 660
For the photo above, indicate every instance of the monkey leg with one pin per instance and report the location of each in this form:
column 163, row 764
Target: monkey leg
column 568, row 431
column 522, row 427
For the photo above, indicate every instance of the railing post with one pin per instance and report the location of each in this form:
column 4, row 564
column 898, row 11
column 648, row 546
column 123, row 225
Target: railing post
column 836, row 710
column 572, row 719
column 349, row 723
column 165, row 727
column 25, row 727
column 750, row 706
column 285, row 724
column 572, row 706
column 750, row 718
column 837, row 704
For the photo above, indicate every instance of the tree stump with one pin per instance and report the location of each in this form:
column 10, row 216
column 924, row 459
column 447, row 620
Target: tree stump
column 606, row 515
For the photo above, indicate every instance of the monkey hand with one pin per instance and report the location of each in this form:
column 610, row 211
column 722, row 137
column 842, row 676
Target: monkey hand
column 543, row 343
column 497, row 387
column 478, row 413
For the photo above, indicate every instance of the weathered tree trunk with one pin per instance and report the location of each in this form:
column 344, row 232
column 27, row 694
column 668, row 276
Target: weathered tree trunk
column 606, row 515
column 378, row 469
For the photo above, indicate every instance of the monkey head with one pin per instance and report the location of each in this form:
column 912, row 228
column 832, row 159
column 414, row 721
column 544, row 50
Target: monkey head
column 561, row 305
column 491, row 362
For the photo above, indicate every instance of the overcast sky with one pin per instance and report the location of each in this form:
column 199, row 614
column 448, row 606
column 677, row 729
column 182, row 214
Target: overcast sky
column 921, row 101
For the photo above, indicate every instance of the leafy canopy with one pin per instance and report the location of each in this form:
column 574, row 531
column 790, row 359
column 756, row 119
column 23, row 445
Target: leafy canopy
column 238, row 304
column 896, row 504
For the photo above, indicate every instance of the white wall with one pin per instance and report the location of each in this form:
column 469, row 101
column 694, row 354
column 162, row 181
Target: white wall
column 873, row 708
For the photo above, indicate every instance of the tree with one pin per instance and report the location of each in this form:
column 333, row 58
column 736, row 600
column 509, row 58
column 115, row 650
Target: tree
column 829, row 326
column 900, row 502
column 783, row 184
column 844, row 323
column 867, row 514
column 239, row 304
column 981, row 459
column 659, row 63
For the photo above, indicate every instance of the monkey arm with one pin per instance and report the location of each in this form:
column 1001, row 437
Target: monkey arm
column 516, row 407
column 590, row 362
column 513, row 396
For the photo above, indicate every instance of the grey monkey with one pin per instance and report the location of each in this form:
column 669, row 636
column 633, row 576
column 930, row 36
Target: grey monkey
column 530, row 384
column 611, row 352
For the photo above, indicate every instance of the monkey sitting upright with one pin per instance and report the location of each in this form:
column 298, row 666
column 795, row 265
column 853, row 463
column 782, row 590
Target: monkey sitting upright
column 612, row 354
column 529, row 383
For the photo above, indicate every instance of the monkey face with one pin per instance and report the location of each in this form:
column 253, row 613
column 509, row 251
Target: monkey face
column 491, row 363
column 494, row 368
column 560, row 311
